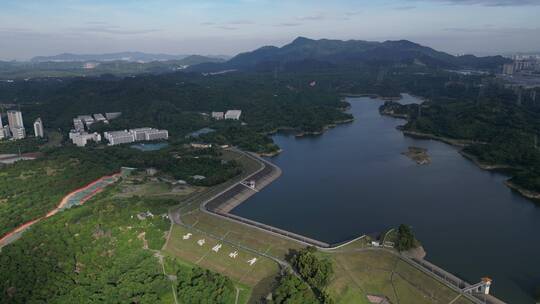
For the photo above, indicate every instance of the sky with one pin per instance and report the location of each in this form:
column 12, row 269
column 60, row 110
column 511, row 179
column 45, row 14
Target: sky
column 210, row 27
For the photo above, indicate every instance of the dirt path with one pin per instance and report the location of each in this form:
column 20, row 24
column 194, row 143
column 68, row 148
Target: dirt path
column 15, row 233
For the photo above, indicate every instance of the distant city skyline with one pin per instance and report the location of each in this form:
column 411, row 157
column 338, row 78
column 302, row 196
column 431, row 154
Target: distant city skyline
column 31, row 28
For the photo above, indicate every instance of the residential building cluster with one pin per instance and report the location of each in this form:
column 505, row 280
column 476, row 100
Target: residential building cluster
column 230, row 114
column 15, row 127
column 133, row 135
column 80, row 139
column 522, row 64
column 82, row 121
column 80, row 135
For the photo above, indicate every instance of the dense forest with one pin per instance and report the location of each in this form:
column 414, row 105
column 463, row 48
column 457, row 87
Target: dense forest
column 180, row 103
column 501, row 120
column 102, row 253
column 29, row 189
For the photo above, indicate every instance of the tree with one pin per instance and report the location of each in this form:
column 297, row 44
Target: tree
column 292, row 290
column 198, row 285
column 406, row 238
column 314, row 270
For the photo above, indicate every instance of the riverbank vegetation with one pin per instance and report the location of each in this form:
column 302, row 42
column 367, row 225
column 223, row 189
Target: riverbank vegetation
column 498, row 128
column 405, row 238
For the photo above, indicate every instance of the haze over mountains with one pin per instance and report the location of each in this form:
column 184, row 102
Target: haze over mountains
column 304, row 52
column 123, row 56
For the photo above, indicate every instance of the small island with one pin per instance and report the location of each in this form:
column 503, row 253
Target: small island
column 419, row 155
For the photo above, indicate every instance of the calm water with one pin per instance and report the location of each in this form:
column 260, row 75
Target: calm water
column 150, row 147
column 353, row 180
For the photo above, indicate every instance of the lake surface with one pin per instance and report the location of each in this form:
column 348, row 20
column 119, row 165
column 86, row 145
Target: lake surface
column 150, row 147
column 353, row 180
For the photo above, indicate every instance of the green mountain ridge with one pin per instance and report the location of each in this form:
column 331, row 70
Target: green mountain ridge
column 351, row 53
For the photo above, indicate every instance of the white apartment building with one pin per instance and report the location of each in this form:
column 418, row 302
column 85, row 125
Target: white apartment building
column 78, row 124
column 218, row 115
column 38, row 128
column 16, row 124
column 140, row 133
column 2, row 131
column 156, row 134
column 86, row 119
column 80, row 139
column 133, row 135
column 99, row 117
column 112, row 115
column 233, row 114
column 119, row 137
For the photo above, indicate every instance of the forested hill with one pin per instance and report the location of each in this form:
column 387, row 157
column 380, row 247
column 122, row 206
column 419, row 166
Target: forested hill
column 311, row 52
column 180, row 102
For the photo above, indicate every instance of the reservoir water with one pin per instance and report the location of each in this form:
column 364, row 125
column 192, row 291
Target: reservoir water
column 353, row 180
column 150, row 146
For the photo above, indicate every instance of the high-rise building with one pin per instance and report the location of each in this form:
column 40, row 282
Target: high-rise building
column 16, row 124
column 78, row 125
column 2, row 131
column 38, row 128
column 15, row 118
column 508, row 69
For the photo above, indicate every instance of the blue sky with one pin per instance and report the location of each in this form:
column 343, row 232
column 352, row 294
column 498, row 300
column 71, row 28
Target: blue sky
column 36, row 27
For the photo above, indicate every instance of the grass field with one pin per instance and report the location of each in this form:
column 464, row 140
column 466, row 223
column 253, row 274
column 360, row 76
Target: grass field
column 248, row 276
column 377, row 272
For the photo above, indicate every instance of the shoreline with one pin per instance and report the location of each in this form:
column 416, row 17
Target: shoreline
column 415, row 257
column 461, row 143
column 372, row 96
column 270, row 154
column 300, row 133
column 532, row 195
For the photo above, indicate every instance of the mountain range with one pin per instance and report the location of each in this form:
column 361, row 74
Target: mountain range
column 122, row 56
column 305, row 52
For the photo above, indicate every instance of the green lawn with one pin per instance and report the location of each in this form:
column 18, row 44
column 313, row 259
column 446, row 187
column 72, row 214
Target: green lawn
column 238, row 269
column 377, row 272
